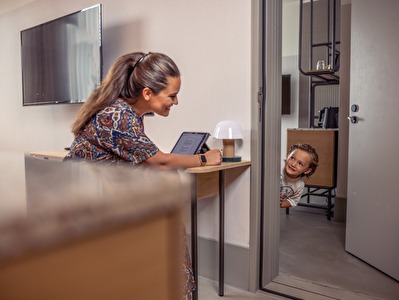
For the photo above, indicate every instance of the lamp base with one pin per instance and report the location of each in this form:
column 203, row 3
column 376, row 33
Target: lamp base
column 231, row 159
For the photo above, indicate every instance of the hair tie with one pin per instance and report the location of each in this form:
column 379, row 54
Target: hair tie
column 139, row 61
column 135, row 65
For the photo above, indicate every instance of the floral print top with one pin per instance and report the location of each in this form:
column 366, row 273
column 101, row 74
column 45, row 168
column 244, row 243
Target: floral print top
column 115, row 134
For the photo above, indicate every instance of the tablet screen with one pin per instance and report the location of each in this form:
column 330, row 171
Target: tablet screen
column 190, row 143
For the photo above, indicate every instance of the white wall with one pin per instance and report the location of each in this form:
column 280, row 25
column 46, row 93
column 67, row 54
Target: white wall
column 209, row 40
column 290, row 38
column 290, row 44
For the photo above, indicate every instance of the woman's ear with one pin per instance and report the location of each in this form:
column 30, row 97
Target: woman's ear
column 147, row 93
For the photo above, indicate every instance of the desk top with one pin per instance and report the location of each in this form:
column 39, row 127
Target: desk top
column 48, row 202
column 59, row 155
column 221, row 167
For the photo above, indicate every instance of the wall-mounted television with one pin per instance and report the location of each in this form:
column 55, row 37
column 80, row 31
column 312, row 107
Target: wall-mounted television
column 62, row 58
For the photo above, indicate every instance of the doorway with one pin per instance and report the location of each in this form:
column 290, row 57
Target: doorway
column 274, row 277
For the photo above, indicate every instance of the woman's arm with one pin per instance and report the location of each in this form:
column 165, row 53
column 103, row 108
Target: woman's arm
column 177, row 161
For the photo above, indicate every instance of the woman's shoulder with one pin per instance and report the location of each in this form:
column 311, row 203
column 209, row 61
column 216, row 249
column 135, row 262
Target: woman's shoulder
column 121, row 104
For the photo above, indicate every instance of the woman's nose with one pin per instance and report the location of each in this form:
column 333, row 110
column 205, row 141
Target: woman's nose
column 175, row 101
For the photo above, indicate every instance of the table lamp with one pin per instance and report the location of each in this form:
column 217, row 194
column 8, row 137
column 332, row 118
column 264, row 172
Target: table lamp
column 228, row 131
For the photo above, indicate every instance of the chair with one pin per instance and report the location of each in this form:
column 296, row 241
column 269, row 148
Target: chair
column 328, row 117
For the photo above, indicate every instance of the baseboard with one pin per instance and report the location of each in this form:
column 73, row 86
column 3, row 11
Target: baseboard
column 236, row 263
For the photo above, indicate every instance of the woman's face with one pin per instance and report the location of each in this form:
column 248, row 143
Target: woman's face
column 162, row 103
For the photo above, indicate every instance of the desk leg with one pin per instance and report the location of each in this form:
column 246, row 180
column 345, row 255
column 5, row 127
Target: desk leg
column 194, row 233
column 329, row 208
column 221, row 233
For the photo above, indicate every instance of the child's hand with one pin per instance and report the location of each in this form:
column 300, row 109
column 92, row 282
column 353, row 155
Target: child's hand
column 285, row 204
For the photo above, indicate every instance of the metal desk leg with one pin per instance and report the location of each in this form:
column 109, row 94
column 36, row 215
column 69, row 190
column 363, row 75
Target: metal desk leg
column 221, row 233
column 329, row 206
column 194, row 233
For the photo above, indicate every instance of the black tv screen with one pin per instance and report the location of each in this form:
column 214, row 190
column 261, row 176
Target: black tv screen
column 62, row 58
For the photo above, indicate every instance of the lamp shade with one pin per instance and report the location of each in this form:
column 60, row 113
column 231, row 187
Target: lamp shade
column 228, row 129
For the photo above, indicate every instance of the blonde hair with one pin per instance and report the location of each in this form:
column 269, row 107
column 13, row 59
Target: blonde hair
column 313, row 154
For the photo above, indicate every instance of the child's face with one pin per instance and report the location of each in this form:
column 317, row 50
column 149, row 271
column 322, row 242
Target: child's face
column 298, row 162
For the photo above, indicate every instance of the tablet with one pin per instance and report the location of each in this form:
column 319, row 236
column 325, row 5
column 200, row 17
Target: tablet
column 190, row 143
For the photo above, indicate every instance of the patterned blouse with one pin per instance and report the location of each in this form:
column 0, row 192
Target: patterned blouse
column 115, row 134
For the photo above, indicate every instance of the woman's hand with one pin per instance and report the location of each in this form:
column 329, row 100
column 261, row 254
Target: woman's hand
column 213, row 157
column 178, row 161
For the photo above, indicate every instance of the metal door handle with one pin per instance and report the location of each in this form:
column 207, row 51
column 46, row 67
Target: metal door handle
column 353, row 119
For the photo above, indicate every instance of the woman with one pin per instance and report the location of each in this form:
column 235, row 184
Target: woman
column 109, row 126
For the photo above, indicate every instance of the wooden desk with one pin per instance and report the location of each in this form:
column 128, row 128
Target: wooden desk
column 50, row 155
column 209, row 181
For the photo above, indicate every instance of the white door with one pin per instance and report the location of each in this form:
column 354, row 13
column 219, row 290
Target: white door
column 372, row 232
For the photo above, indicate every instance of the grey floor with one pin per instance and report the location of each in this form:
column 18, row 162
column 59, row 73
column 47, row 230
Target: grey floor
column 208, row 290
column 312, row 248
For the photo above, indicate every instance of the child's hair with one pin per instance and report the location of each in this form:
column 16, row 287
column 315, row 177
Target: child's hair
column 313, row 154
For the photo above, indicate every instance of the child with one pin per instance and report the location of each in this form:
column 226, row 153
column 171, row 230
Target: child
column 302, row 161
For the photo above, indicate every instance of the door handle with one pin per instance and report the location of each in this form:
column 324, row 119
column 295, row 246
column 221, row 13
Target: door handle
column 353, row 119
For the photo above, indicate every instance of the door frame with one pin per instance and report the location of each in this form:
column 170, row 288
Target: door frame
column 266, row 156
column 265, row 142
